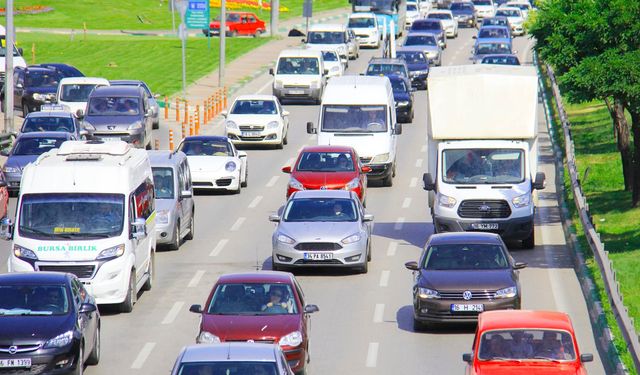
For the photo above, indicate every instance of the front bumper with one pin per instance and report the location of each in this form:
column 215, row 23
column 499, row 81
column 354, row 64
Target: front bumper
column 296, row 358
column 268, row 136
column 420, row 80
column 50, row 361
column 134, row 138
column 13, row 181
column 440, row 310
column 466, row 22
column 211, row 181
column 297, row 93
column 369, row 40
column 165, row 233
column 512, row 229
column 450, row 32
column 350, row 255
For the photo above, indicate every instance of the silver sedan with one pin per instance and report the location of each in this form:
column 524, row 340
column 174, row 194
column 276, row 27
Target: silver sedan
column 322, row 228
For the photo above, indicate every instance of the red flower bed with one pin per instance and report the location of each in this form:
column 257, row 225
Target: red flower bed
column 31, row 9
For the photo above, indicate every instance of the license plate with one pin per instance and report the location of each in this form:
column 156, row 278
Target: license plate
column 318, row 256
column 110, row 139
column 296, row 92
column 466, row 308
column 250, row 134
column 15, row 362
column 485, row 226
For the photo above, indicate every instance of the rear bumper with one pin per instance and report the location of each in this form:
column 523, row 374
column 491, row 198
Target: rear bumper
column 439, row 311
column 301, row 93
column 379, row 171
column 511, row 229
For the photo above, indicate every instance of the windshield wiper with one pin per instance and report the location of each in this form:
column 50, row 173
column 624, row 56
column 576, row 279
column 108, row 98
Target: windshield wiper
column 547, row 359
column 38, row 232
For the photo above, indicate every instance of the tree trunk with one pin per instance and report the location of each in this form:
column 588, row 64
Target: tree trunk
column 623, row 139
column 635, row 128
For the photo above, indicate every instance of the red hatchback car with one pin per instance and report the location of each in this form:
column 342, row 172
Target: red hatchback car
column 525, row 342
column 328, row 168
column 265, row 306
column 238, row 23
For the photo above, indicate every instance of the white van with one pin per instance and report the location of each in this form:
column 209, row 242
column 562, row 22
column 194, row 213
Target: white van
column 329, row 36
column 73, row 92
column 359, row 111
column 299, row 74
column 365, row 25
column 88, row 208
column 18, row 60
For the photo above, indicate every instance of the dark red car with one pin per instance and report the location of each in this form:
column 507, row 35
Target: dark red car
column 328, row 168
column 238, row 23
column 266, row 306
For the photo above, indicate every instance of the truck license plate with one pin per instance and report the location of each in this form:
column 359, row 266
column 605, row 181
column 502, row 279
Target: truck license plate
column 484, row 226
column 318, row 256
column 465, row 308
column 15, row 362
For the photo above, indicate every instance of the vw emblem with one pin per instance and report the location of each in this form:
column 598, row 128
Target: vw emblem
column 323, row 188
column 467, row 295
column 484, row 208
column 13, row 349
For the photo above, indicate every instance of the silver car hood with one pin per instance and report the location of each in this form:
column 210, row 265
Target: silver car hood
column 319, row 231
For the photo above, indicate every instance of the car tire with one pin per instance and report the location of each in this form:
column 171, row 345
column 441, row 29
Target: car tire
column 192, row 227
column 364, row 268
column 94, row 356
column 175, row 244
column 388, row 181
column 233, row 34
column 280, row 145
column 529, row 242
column 156, row 125
column 79, row 370
column 285, row 140
column 148, row 284
column 246, row 176
column 369, row 251
column 127, row 305
column 393, row 173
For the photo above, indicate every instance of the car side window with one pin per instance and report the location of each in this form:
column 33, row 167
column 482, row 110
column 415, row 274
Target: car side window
column 252, row 19
column 181, row 178
column 187, row 175
column 76, row 291
column 299, row 292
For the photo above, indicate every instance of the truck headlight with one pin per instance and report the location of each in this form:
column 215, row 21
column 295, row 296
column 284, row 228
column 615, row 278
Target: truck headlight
column 292, row 339
column 135, row 126
column 506, row 292
column 351, row 239
column 23, row 252
column 295, row 184
column 273, row 125
column 231, row 125
column 285, row 239
column 425, row 293
column 230, row 166
column 380, row 158
column 112, row 252
column 522, row 201
column 446, row 201
column 207, row 338
column 60, row 340
column 162, row 217
column 353, row 184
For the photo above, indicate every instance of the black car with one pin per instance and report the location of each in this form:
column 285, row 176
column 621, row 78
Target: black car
column 403, row 97
column 465, row 13
column 461, row 274
column 504, row 59
column 33, row 87
column 418, row 65
column 49, row 324
column 64, row 69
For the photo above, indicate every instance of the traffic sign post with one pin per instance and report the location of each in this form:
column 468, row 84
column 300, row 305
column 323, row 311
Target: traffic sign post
column 307, row 11
column 197, row 14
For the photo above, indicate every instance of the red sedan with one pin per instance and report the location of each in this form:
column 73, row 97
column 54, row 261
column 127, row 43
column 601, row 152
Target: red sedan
column 525, row 342
column 238, row 23
column 328, row 168
column 265, row 307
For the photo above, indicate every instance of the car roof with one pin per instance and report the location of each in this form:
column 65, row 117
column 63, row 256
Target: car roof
column 116, row 91
column 302, row 194
column 362, row 15
column 165, row 158
column 229, row 351
column 81, row 80
column 206, row 138
column 255, row 97
column 39, row 69
column 427, row 20
column 439, row 11
column 384, row 60
column 464, row 237
column 49, row 134
column 494, row 26
column 495, row 40
column 514, row 319
column 421, row 33
column 327, row 148
column 40, row 277
column 509, row 8
column 50, row 114
column 125, row 82
column 256, row 277
column 327, row 27
column 501, row 55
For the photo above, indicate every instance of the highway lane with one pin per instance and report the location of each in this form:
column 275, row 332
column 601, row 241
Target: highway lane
column 364, row 324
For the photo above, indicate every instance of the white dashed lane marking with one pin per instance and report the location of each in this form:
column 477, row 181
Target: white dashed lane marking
column 372, row 354
column 391, row 251
column 143, row 355
column 216, row 250
column 272, row 181
column 236, row 226
column 173, row 313
column 378, row 313
column 195, row 279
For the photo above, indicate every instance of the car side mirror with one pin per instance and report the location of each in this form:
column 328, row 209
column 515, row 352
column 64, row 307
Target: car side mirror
column 20, row 51
column 467, row 357
column 310, row 309
column 310, row 128
column 325, row 72
column 367, row 217
column 271, row 71
column 474, row 37
column 366, row 169
column 6, row 229
column 186, row 194
column 87, row 308
column 428, row 183
column 539, row 182
column 587, row 357
column 519, row 265
column 303, row 40
column 413, row 266
column 79, row 113
column 515, row 51
column 156, row 96
column 274, row 217
column 285, row 113
column 139, row 228
column 19, row 86
column 224, row 113
column 242, row 154
column 3, row 183
column 397, row 130
column 286, row 169
column 196, row 309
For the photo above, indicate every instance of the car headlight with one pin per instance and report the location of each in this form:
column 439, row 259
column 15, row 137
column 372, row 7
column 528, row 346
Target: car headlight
column 403, row 103
column 295, row 184
column 285, row 239
column 135, row 126
column 207, row 338
column 230, row 166
column 446, row 201
column 112, row 252
column 278, row 84
column 351, row 239
column 380, row 158
column 521, row 201
column 506, row 292
column 273, row 125
column 425, row 293
column 314, row 84
column 60, row 340
column 22, row 252
column 421, row 72
column 7, row 169
column 231, row 125
column 88, row 126
column 353, row 184
column 162, row 217
column 432, row 54
column 39, row 97
column 292, row 339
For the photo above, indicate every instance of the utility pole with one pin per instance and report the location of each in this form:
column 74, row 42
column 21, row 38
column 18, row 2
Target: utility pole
column 8, row 69
column 275, row 12
column 182, row 33
column 223, row 37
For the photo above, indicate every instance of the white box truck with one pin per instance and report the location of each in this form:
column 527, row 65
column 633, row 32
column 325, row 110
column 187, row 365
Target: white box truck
column 483, row 149
column 88, row 208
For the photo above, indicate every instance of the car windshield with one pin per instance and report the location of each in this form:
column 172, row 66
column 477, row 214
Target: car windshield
column 481, row 2
column 35, row 78
column 422, row 25
column 254, row 107
column 412, row 8
column 3, row 48
column 163, row 182
column 76, row 93
column 228, row 367
column 399, row 85
column 354, row 118
column 412, row 57
column 320, row 210
column 25, row 300
column 114, row 106
column 493, row 32
column 483, row 166
column 526, row 344
column 420, row 40
column 384, row 69
column 325, row 37
column 298, row 65
column 524, row 7
column 48, row 124
column 329, row 56
column 71, row 215
column 508, row 13
column 491, row 48
column 206, row 148
column 450, row 257
column 501, row 60
column 495, row 21
column 361, row 23
column 462, row 6
column 35, row 146
column 253, row 299
column 439, row 16
column 325, row 162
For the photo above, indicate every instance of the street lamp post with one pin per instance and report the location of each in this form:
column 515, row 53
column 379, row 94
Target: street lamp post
column 223, row 37
column 8, row 69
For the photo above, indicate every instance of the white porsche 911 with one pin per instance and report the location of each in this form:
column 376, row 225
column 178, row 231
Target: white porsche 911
column 214, row 163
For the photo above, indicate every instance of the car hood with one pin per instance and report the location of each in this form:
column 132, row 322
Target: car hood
column 418, row 66
column 243, row 328
column 332, row 180
column 535, row 368
column 31, row 330
column 101, row 122
column 42, row 90
column 319, row 231
column 20, row 161
column 462, row 13
column 401, row 96
column 464, row 280
column 262, row 120
column 165, row 204
column 210, row 163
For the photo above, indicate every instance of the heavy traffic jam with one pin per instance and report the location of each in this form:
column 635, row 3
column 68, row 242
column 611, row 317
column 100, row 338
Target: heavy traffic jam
column 107, row 222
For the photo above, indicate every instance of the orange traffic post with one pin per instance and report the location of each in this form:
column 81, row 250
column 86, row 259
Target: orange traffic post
column 212, row 103
column 204, row 112
column 191, row 125
column 171, row 145
column 157, row 144
column 197, row 130
column 225, row 96
column 166, row 107
column 177, row 110
column 219, row 95
column 184, row 129
column 186, row 110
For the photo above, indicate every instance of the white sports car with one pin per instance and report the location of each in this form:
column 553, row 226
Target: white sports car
column 257, row 120
column 214, row 163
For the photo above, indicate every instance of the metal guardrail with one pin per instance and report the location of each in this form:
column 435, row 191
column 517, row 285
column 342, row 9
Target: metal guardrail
column 612, row 287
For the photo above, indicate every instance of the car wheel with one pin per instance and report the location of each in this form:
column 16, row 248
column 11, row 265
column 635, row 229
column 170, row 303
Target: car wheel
column 234, row 34
column 280, row 145
column 79, row 370
column 127, row 305
column 369, row 251
column 364, row 268
column 94, row 356
column 388, row 181
column 150, row 270
column 25, row 109
column 175, row 244
column 394, row 169
column 192, row 227
column 529, row 242
column 285, row 140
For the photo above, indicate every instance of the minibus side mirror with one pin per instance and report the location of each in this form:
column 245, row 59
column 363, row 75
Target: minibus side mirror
column 139, row 228
column 6, row 229
column 310, row 128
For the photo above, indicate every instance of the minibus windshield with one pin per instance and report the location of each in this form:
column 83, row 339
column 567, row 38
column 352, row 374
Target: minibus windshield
column 354, row 118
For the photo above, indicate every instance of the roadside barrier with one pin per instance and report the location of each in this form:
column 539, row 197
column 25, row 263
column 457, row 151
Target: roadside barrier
column 171, row 145
column 6, row 139
column 190, row 126
column 186, row 110
column 184, row 129
column 197, row 124
column 177, row 109
column 166, row 107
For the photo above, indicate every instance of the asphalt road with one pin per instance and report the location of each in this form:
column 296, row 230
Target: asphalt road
column 365, row 321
